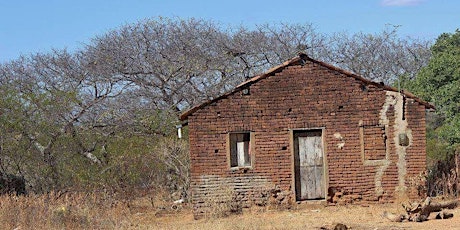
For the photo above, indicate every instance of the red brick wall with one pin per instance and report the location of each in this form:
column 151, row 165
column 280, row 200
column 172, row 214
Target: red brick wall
column 416, row 153
column 302, row 97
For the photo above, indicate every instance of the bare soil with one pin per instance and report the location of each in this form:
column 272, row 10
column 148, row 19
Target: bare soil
column 93, row 211
column 354, row 216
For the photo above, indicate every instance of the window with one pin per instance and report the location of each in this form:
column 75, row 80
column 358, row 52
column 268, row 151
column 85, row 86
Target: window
column 240, row 149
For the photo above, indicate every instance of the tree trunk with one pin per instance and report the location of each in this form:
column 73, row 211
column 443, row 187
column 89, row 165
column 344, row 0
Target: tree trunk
column 456, row 172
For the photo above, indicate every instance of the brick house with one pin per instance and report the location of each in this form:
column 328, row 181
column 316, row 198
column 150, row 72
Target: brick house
column 307, row 131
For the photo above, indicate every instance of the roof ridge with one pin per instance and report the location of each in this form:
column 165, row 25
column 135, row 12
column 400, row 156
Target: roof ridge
column 293, row 61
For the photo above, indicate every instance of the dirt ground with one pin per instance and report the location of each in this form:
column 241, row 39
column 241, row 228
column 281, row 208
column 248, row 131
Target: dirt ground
column 354, row 216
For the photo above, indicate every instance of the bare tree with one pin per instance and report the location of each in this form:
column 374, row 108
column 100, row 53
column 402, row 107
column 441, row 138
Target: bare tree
column 67, row 117
column 171, row 64
column 53, row 95
column 381, row 56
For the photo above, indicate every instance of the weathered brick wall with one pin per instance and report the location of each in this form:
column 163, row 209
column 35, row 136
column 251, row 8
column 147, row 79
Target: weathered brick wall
column 416, row 154
column 302, row 97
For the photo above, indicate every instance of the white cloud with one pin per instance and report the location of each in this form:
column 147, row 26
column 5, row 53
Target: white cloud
column 401, row 2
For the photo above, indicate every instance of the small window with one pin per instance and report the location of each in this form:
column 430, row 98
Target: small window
column 240, row 149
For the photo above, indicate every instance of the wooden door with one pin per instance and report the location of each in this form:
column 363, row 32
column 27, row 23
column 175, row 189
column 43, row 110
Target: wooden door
column 309, row 165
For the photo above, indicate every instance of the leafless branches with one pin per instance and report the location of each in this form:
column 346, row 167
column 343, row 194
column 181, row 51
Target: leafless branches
column 63, row 115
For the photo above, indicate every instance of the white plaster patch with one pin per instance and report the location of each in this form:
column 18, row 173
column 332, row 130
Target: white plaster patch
column 339, row 137
column 394, row 99
column 400, row 126
column 341, row 145
column 390, row 100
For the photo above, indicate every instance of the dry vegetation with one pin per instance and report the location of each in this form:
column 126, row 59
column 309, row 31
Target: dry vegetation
column 105, row 211
column 55, row 211
column 103, row 118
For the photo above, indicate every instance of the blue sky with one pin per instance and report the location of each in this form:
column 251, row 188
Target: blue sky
column 29, row 26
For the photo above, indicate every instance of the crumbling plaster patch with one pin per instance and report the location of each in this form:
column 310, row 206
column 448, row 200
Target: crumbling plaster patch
column 400, row 127
column 395, row 100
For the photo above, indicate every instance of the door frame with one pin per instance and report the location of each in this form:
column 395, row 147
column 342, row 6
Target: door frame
column 292, row 132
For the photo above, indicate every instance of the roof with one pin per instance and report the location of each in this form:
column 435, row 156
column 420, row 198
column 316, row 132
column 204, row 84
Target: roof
column 298, row 60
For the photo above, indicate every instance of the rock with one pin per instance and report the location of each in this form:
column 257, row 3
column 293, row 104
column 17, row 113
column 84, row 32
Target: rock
column 417, row 217
column 180, row 201
column 340, row 226
column 337, row 226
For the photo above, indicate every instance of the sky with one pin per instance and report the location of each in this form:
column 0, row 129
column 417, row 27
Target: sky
column 31, row 26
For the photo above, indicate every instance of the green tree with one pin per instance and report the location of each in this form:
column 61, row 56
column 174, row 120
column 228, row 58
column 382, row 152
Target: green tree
column 439, row 83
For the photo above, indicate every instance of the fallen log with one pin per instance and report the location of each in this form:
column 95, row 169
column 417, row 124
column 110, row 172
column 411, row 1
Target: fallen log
column 428, row 206
column 444, row 215
column 418, row 212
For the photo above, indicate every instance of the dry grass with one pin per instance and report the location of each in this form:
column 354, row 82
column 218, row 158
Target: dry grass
column 99, row 211
column 64, row 211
